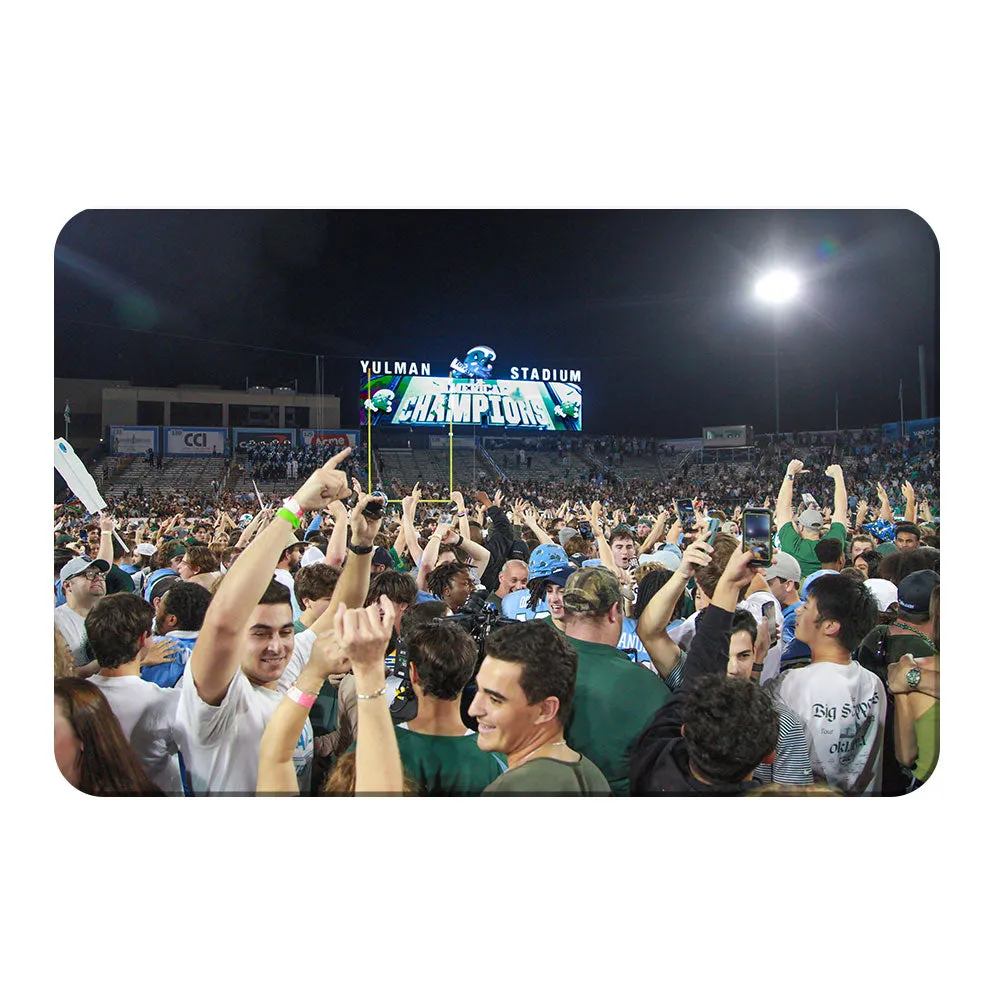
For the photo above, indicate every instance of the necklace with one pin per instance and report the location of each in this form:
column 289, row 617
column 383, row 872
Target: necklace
column 558, row 743
column 915, row 631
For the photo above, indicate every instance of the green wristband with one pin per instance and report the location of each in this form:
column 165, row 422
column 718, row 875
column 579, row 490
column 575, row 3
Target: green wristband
column 287, row 515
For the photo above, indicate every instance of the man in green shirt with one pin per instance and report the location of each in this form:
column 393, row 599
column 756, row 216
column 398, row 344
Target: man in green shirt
column 525, row 694
column 438, row 753
column 616, row 698
column 801, row 542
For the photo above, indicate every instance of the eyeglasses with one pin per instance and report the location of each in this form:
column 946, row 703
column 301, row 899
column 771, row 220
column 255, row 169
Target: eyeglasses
column 91, row 574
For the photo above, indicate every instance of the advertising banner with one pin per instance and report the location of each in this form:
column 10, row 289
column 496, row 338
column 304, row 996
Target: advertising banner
column 134, row 440
column 195, row 440
column 241, row 435
column 342, row 439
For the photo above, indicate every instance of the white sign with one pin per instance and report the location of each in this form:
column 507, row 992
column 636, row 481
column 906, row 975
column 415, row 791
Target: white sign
column 196, row 440
column 132, row 440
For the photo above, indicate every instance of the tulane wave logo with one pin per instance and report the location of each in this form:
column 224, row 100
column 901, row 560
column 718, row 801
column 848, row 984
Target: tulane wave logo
column 381, row 402
column 477, row 364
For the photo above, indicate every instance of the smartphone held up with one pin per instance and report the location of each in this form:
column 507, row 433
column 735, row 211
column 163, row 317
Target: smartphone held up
column 757, row 529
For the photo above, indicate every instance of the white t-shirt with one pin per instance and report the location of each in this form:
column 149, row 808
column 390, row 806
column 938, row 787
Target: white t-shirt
column 221, row 743
column 842, row 707
column 283, row 576
column 71, row 627
column 146, row 713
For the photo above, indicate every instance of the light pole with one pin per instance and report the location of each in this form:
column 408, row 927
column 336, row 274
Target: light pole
column 777, row 288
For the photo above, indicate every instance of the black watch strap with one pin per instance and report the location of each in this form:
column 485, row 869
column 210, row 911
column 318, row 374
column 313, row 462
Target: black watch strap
column 360, row 550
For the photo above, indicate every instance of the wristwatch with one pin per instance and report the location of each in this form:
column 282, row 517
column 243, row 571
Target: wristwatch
column 913, row 677
column 360, row 550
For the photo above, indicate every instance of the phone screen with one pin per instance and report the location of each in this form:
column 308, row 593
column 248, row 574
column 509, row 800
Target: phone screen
column 685, row 507
column 757, row 535
column 772, row 626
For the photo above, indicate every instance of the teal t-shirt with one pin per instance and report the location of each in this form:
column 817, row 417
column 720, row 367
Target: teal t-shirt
column 804, row 549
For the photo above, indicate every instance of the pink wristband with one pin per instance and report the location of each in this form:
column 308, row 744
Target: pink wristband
column 301, row 698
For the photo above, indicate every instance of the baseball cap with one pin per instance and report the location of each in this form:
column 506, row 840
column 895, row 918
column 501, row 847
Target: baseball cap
column 663, row 556
column 884, row 592
column 787, row 567
column 915, row 591
column 807, row 582
column 63, row 539
column 561, row 576
column 811, row 519
column 80, row 565
column 591, row 589
column 381, row 557
column 565, row 534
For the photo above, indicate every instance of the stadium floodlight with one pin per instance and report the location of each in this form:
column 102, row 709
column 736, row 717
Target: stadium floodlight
column 777, row 287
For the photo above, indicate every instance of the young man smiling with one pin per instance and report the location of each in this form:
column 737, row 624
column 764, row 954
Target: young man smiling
column 230, row 688
column 525, row 693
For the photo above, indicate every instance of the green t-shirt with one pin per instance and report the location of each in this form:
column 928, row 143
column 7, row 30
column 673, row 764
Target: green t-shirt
column 446, row 765
column 546, row 776
column 927, row 727
column 804, row 549
column 299, row 627
column 323, row 714
column 615, row 700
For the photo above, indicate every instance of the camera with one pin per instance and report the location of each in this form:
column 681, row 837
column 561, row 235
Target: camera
column 375, row 508
column 478, row 618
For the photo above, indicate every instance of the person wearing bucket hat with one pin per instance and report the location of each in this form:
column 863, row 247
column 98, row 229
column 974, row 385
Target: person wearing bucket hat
column 800, row 541
column 83, row 582
column 615, row 697
column 548, row 570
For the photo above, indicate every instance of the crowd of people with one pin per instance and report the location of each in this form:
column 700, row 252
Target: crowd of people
column 537, row 638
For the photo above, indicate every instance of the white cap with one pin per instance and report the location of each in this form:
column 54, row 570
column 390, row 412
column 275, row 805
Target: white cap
column 884, row 591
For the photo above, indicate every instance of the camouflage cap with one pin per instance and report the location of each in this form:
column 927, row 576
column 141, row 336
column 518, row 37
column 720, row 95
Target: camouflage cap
column 591, row 589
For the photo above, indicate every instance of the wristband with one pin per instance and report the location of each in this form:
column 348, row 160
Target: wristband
column 757, row 668
column 360, row 550
column 301, row 697
column 291, row 505
column 286, row 515
column 370, row 697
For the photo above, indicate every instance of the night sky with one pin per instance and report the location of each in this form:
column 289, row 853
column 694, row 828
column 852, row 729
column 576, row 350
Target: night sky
column 655, row 307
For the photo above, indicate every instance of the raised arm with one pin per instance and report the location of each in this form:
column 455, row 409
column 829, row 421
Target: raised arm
column 430, row 557
column 480, row 554
column 836, row 473
column 603, row 549
column 216, row 655
column 352, row 586
column 911, row 502
column 528, row 516
column 655, row 533
column 652, row 625
column 336, row 549
column 862, row 513
column 885, row 511
column 106, row 551
column 783, row 505
column 409, row 529
column 364, row 635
